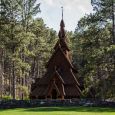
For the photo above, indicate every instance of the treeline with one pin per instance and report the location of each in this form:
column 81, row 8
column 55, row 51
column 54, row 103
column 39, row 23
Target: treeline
column 94, row 50
column 26, row 44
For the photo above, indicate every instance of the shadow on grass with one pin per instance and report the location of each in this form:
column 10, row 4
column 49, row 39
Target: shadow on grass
column 67, row 109
column 74, row 109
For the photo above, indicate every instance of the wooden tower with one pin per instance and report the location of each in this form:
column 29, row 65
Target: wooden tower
column 59, row 81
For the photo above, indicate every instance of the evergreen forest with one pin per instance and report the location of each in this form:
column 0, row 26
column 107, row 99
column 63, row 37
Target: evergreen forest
column 26, row 44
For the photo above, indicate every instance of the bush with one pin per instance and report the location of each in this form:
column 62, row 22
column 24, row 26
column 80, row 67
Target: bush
column 6, row 97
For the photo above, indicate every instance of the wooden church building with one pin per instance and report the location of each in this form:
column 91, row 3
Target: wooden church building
column 59, row 81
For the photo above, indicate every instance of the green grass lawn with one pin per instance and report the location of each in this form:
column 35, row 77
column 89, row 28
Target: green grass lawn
column 59, row 111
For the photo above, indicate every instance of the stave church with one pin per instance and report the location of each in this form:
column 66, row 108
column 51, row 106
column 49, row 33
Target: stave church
column 60, row 80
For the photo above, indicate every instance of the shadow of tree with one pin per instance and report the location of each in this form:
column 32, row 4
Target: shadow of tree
column 75, row 109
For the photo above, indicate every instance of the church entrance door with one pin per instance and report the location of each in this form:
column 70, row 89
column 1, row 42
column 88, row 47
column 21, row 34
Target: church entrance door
column 54, row 94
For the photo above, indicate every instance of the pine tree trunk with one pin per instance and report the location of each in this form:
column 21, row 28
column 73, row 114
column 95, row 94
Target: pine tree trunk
column 13, row 83
column 113, row 18
column 1, row 72
column 1, row 82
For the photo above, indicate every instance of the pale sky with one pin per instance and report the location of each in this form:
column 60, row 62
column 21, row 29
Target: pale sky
column 73, row 11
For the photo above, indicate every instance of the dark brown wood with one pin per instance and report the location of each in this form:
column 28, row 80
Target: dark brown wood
column 59, row 81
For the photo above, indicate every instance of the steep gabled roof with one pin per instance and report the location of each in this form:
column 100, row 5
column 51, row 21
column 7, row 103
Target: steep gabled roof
column 63, row 56
column 64, row 45
column 47, row 78
column 58, row 76
column 44, row 82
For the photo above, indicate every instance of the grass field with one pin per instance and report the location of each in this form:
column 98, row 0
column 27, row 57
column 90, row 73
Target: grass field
column 59, row 111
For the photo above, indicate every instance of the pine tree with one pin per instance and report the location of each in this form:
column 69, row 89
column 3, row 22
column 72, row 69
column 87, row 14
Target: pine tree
column 93, row 40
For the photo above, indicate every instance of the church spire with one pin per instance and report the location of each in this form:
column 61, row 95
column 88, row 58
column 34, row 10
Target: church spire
column 62, row 25
column 62, row 12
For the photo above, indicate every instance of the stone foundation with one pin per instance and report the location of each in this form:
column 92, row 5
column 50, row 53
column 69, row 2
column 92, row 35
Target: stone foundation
column 5, row 104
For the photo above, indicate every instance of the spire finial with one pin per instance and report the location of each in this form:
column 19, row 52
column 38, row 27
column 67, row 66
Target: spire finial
column 62, row 12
